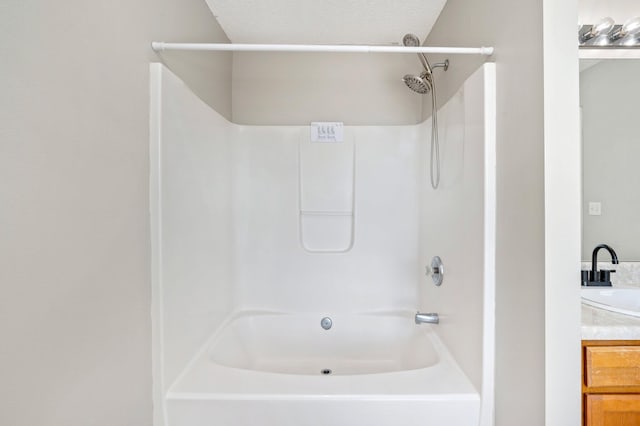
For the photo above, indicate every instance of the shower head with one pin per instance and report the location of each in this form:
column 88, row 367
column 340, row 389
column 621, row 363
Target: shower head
column 419, row 84
column 424, row 83
column 412, row 40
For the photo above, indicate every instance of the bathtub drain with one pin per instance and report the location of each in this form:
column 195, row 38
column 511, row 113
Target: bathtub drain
column 326, row 323
column 325, row 371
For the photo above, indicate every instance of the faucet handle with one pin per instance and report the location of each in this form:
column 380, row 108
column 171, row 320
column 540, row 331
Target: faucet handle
column 605, row 276
column 584, row 278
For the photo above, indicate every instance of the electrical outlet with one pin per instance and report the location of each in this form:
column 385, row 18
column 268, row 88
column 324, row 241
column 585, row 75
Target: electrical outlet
column 595, row 208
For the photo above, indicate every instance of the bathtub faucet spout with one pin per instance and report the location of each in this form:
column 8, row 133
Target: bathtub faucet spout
column 428, row 318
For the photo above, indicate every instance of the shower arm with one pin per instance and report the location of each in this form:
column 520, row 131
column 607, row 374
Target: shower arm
column 160, row 46
column 425, row 63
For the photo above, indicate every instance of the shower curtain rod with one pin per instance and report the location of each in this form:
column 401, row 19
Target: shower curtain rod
column 159, row 46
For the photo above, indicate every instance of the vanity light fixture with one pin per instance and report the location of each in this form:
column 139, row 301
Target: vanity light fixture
column 607, row 33
column 629, row 29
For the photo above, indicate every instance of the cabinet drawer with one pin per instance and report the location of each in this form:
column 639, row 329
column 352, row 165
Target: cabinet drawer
column 618, row 410
column 612, row 366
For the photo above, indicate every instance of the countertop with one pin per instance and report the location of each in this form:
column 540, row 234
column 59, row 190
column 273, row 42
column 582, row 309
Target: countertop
column 599, row 324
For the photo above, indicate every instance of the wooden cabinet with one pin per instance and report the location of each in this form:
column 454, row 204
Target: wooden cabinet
column 611, row 382
column 612, row 409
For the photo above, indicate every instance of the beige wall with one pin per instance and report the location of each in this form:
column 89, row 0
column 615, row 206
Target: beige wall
column 520, row 187
column 358, row 89
column 74, row 219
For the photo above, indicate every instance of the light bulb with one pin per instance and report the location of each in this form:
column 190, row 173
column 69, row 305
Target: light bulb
column 631, row 40
column 602, row 27
column 632, row 26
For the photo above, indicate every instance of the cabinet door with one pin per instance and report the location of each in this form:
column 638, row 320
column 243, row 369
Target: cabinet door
column 613, row 410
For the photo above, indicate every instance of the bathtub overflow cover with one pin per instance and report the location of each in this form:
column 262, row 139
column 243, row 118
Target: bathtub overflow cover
column 326, row 371
column 326, row 323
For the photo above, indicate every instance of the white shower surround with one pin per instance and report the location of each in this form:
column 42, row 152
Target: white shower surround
column 225, row 243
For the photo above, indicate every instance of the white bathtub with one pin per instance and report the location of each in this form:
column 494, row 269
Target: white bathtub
column 269, row 369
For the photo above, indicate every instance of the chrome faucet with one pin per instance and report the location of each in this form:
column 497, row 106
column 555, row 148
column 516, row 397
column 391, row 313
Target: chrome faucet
column 427, row 318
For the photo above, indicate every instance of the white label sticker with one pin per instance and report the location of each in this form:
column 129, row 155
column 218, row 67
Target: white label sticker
column 327, row 132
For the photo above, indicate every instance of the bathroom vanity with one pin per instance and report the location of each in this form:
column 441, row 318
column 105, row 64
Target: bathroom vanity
column 610, row 368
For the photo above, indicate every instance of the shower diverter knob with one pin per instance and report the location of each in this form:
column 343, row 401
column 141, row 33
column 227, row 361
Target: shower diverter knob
column 436, row 270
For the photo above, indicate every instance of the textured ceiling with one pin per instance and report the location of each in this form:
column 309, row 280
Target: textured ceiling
column 325, row 21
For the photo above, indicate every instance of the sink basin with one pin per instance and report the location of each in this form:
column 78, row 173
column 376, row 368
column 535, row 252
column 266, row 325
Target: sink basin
column 622, row 300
